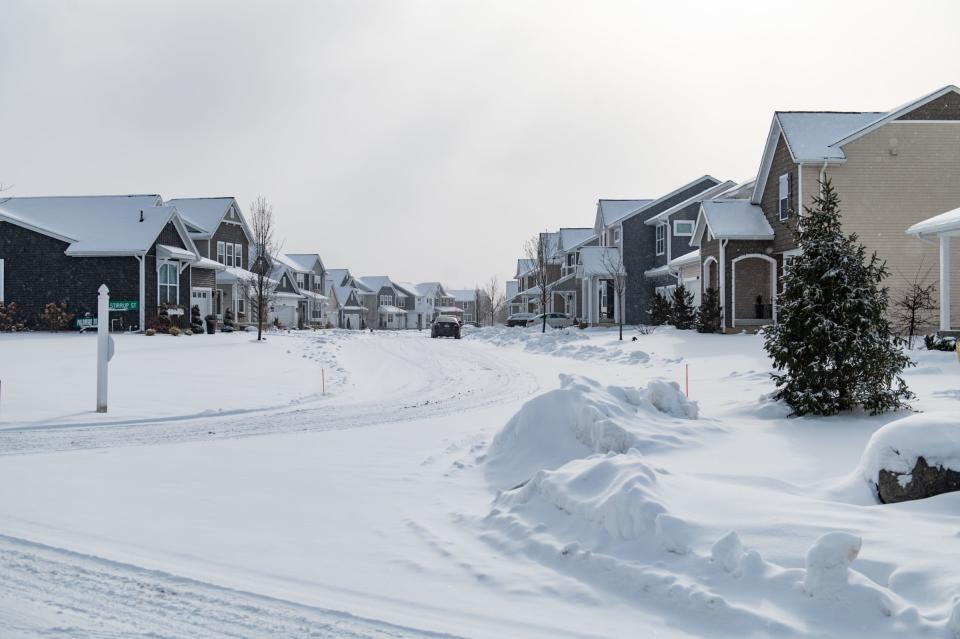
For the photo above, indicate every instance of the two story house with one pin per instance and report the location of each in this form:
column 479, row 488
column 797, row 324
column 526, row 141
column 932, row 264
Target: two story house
column 386, row 303
column 345, row 305
column 309, row 275
column 566, row 291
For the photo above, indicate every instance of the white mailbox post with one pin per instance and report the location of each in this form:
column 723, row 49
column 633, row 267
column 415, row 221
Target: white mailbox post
column 104, row 345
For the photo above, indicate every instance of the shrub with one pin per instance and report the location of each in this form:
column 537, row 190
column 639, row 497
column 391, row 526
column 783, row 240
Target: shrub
column 55, row 317
column 173, row 330
column 937, row 343
column 150, row 332
column 682, row 314
column 8, row 318
column 188, row 332
column 660, row 311
column 708, row 315
column 228, row 319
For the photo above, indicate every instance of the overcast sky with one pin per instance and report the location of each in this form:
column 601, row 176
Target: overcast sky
column 428, row 140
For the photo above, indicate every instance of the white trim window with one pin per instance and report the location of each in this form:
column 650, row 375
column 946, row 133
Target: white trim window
column 783, row 196
column 241, row 307
column 168, row 285
column 238, row 255
column 1, row 282
column 301, row 283
column 661, row 239
column 221, row 252
column 386, row 300
column 683, row 228
column 229, row 254
column 616, row 236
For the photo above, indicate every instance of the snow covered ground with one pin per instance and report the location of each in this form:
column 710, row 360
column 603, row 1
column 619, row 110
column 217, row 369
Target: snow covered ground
column 507, row 484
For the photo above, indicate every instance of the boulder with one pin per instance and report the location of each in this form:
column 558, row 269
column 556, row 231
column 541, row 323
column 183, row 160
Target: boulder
column 921, row 482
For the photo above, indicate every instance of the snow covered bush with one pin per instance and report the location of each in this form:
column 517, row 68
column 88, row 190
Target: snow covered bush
column 150, row 332
column 832, row 341
column 913, row 458
column 828, row 563
column 937, row 343
column 660, row 310
column 174, row 331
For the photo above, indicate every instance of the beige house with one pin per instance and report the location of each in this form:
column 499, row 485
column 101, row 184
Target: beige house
column 890, row 169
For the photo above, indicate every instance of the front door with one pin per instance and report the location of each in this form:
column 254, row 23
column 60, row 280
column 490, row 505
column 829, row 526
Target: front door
column 202, row 298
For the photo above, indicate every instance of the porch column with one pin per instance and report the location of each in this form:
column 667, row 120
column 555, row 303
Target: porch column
column 944, row 282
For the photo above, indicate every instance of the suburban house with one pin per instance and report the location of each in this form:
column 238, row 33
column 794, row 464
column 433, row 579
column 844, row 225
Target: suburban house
column 467, row 300
column 61, row 249
column 385, row 301
column 442, row 300
column 890, row 169
column 512, row 288
column 419, row 304
column 309, row 275
column 566, row 292
column 287, row 301
column 595, row 270
column 345, row 305
column 221, row 235
column 943, row 227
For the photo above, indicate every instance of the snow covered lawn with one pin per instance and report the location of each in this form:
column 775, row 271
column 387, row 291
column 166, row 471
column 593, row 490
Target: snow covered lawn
column 507, row 484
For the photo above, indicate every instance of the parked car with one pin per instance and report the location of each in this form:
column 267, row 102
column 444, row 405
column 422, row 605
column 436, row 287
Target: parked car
column 445, row 326
column 554, row 320
column 519, row 319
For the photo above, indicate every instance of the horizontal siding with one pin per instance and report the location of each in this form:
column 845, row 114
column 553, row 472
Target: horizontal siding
column 881, row 195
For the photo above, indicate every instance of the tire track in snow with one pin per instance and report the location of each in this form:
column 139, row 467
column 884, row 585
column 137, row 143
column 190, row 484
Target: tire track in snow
column 447, row 383
column 47, row 591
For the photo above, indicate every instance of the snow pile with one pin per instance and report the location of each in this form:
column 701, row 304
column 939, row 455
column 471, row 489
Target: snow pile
column 568, row 342
column 828, row 563
column 897, row 446
column 582, row 418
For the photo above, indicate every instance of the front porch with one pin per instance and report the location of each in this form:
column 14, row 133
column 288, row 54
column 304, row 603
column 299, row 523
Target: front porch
column 944, row 227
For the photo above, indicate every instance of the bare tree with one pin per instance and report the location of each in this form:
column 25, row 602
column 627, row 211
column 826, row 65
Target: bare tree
column 537, row 250
column 494, row 299
column 261, row 289
column 913, row 309
column 612, row 263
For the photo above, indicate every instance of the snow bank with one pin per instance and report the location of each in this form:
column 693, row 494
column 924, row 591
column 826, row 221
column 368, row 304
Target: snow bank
column 897, row 446
column 569, row 342
column 583, row 418
column 828, row 563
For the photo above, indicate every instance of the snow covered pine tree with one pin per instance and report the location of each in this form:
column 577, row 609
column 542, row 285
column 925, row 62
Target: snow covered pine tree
column 708, row 315
column 832, row 340
column 660, row 310
column 681, row 308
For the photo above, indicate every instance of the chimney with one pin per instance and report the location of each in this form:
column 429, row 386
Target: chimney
column 141, row 215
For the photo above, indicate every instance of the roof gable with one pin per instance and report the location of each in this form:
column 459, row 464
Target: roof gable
column 652, row 206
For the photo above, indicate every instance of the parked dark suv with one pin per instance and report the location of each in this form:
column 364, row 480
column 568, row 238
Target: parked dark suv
column 445, row 326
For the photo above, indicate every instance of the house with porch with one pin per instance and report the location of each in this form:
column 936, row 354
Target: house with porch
column 419, row 304
column 566, row 291
column 891, row 169
column 61, row 249
column 596, row 269
column 386, row 303
column 443, row 302
column 939, row 230
column 345, row 304
column 221, row 233
column 470, row 303
column 309, row 275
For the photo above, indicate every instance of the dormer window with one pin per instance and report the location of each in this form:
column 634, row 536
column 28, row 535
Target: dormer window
column 783, row 199
column 661, row 239
column 682, row 228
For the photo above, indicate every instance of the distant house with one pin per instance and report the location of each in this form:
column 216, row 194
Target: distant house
column 309, row 276
column 386, row 303
column 566, row 293
column 891, row 169
column 512, row 288
column 419, row 304
column 467, row 300
column 61, row 249
column 345, row 305
column 288, row 304
column 221, row 234
column 527, row 299
column 443, row 302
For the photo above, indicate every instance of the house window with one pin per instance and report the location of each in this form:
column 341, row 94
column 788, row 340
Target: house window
column 221, row 253
column 386, row 300
column 661, row 239
column 616, row 236
column 784, row 196
column 241, row 307
column 168, row 285
column 229, row 255
column 238, row 255
column 682, row 228
column 300, row 282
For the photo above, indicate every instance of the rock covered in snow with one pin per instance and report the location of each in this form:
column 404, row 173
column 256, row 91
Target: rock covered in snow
column 914, row 457
column 828, row 563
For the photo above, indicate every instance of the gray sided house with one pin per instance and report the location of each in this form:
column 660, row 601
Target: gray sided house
column 345, row 307
column 566, row 294
column 223, row 238
column 61, row 249
column 646, row 249
column 386, row 303
column 286, row 298
column 310, row 275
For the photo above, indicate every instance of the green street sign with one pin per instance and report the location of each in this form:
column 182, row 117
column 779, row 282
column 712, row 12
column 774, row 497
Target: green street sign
column 124, row 305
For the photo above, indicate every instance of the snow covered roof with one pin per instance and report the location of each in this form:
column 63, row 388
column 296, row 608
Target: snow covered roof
column 213, row 265
column 376, row 282
column 450, row 310
column 732, row 220
column 680, row 189
column 598, row 260
column 513, row 287
column 946, row 223
column 391, row 310
column 463, row 294
column 533, row 290
column 235, row 274
column 612, row 211
column 572, row 237
column 713, row 191
column 431, row 289
column 166, row 252
column 304, row 261
column 314, row 295
column 524, row 266
column 551, row 244
column 97, row 224
column 206, row 213
column 693, row 257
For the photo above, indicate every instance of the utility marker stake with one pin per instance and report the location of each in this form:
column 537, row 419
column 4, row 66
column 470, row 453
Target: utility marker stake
column 323, row 382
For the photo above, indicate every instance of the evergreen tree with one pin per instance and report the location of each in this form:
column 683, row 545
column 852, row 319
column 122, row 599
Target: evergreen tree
column 660, row 310
column 708, row 315
column 682, row 314
column 832, row 342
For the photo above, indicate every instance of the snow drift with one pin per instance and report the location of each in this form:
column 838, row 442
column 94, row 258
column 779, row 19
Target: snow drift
column 582, row 418
column 569, row 342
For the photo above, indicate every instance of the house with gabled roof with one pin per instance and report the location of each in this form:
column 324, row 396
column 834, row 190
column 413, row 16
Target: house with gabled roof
column 61, row 249
column 891, row 169
column 309, row 276
column 385, row 301
column 221, row 234
column 345, row 307
column 566, row 291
